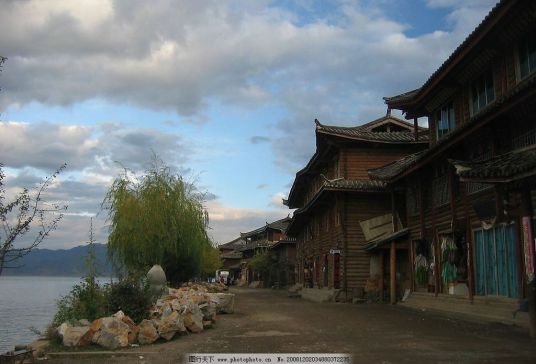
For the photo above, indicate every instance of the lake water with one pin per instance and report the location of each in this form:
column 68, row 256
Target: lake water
column 29, row 302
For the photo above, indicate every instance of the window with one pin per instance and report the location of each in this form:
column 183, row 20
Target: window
column 440, row 187
column 482, row 92
column 446, row 120
column 412, row 200
column 527, row 57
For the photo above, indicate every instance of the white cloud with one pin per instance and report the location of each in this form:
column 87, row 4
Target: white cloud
column 169, row 55
column 226, row 222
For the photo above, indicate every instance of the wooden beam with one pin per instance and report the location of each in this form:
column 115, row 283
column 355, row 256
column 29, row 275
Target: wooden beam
column 416, row 128
column 392, row 273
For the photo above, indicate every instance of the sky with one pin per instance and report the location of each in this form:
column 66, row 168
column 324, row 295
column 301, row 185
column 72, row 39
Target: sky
column 224, row 92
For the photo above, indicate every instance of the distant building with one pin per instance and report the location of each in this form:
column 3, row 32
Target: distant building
column 231, row 256
column 271, row 238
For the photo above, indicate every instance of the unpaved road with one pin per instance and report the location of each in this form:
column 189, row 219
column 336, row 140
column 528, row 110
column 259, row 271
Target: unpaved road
column 267, row 321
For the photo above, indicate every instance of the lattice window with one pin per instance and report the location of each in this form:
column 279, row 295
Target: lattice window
column 524, row 140
column 475, row 187
column 440, row 191
column 412, row 200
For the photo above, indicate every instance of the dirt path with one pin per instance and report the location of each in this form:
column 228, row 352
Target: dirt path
column 267, row 321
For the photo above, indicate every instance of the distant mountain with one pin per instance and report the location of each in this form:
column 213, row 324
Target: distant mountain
column 62, row 262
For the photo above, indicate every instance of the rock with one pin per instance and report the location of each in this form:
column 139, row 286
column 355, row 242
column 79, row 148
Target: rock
column 113, row 333
column 84, row 322
column 193, row 318
column 157, row 280
column 170, row 324
column 148, row 333
column 207, row 324
column 224, row 302
column 119, row 315
column 39, row 347
column 76, row 336
column 209, row 311
column 133, row 334
column 96, row 325
column 62, row 328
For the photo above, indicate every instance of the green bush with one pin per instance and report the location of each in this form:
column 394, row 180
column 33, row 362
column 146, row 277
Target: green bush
column 87, row 300
column 132, row 296
column 90, row 301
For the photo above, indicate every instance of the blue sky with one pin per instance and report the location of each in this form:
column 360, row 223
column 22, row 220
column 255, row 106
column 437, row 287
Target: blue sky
column 225, row 92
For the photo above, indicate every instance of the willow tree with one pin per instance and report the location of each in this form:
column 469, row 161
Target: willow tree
column 157, row 219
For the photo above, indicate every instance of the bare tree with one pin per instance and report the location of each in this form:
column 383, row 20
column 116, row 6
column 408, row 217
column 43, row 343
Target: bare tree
column 27, row 212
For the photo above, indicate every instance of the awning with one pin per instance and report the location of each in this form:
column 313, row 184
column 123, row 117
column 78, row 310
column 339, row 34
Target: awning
column 376, row 244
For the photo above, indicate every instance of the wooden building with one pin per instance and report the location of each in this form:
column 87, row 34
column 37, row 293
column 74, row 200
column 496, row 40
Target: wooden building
column 333, row 193
column 283, row 272
column 260, row 239
column 468, row 200
column 231, row 256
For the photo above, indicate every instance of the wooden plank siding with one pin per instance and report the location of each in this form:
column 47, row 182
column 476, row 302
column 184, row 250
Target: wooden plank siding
column 358, row 161
column 361, row 207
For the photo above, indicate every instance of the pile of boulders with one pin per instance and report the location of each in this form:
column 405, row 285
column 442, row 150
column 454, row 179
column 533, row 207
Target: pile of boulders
column 191, row 308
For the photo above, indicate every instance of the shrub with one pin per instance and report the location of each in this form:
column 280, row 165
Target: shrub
column 130, row 295
column 86, row 300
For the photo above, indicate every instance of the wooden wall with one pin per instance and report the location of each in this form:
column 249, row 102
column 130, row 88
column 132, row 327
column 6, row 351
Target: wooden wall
column 361, row 207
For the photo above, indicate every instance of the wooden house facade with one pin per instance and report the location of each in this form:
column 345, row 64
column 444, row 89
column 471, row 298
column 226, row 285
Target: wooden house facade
column 333, row 193
column 469, row 199
column 231, row 257
column 261, row 239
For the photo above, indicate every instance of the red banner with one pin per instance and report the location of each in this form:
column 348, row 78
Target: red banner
column 529, row 247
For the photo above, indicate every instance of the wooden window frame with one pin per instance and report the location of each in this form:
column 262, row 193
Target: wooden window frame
column 450, row 113
column 440, row 187
column 489, row 99
column 413, row 204
column 531, row 58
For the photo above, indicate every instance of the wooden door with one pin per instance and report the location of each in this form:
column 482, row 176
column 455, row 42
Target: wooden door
column 495, row 262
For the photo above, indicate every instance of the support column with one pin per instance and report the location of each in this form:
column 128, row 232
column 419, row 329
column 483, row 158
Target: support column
column 393, row 273
column 382, row 275
column 416, row 128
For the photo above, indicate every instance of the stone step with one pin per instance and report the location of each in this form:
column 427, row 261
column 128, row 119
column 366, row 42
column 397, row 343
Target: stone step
column 318, row 295
column 488, row 309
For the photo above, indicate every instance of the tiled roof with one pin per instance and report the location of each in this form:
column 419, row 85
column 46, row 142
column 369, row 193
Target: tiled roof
column 391, row 171
column 338, row 185
column 232, row 255
column 238, row 242
column 287, row 241
column 358, row 133
column 501, row 168
column 276, row 225
column 355, row 185
column 458, row 52
column 402, row 97
column 257, row 244
column 389, row 119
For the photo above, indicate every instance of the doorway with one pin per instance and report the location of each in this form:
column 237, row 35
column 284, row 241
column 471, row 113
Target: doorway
column 495, row 262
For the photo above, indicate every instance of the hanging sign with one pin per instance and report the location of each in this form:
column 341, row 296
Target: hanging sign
column 529, row 247
column 335, row 251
